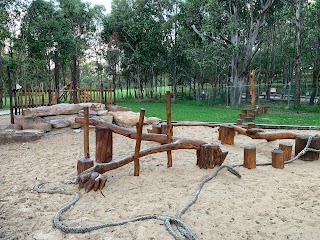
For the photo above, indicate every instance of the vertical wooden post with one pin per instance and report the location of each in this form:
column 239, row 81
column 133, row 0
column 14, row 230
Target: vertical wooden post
column 250, row 125
column 277, row 158
column 239, row 121
column 86, row 132
column 139, row 127
column 287, row 150
column 169, row 130
column 104, row 144
column 253, row 90
column 85, row 162
column 227, row 134
column 249, row 157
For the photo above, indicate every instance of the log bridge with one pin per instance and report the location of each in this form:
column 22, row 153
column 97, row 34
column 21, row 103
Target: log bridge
column 208, row 155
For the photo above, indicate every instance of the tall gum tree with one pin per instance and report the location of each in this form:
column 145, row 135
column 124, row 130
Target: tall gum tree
column 237, row 27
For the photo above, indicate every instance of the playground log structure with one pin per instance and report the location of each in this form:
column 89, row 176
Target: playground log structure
column 208, row 155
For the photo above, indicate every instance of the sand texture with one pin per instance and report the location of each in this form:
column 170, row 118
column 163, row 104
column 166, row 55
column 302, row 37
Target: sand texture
column 266, row 203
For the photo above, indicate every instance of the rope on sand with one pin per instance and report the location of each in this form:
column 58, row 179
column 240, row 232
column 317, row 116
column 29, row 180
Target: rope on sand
column 168, row 221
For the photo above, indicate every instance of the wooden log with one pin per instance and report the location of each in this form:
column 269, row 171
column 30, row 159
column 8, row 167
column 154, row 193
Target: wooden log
column 251, row 125
column 210, row 155
column 244, row 111
column 249, row 157
column 252, row 115
column 164, row 128
column 239, row 121
column 277, row 158
column 242, row 115
column 263, row 109
column 227, row 134
column 156, row 129
column 195, row 124
column 138, row 143
column 248, row 119
column 84, row 164
column 301, row 142
column 86, row 133
column 104, row 144
column 287, row 150
column 269, row 136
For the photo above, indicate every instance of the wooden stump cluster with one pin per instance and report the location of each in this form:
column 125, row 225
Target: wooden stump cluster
column 247, row 115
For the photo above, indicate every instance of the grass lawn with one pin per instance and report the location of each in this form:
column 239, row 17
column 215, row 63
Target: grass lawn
column 196, row 111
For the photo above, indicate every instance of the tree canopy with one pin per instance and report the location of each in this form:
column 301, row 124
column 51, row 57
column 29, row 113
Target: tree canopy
column 144, row 45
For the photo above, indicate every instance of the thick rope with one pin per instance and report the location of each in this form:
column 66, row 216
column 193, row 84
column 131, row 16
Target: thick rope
column 168, row 221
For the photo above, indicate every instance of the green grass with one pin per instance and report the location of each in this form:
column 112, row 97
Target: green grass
column 196, row 111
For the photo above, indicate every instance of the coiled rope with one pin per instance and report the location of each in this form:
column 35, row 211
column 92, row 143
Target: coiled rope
column 168, row 221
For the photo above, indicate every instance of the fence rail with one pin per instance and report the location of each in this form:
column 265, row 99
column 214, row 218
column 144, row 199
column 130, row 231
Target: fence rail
column 30, row 98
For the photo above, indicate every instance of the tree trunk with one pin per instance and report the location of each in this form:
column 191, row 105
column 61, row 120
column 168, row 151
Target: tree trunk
column 1, row 82
column 316, row 69
column 299, row 52
column 56, row 72
column 74, row 79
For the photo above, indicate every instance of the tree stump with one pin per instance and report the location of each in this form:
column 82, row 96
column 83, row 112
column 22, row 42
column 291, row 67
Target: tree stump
column 84, row 164
column 249, row 158
column 277, row 158
column 287, row 150
column 210, row 155
column 227, row 134
column 248, row 119
column 103, row 144
column 244, row 111
column 242, row 115
column 301, row 142
column 164, row 128
column 263, row 109
column 251, row 125
column 239, row 122
column 252, row 115
column 156, row 129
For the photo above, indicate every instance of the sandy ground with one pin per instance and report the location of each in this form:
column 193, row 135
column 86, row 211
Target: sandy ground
column 266, row 203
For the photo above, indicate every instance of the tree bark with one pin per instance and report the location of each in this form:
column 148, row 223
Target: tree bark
column 1, row 81
column 299, row 52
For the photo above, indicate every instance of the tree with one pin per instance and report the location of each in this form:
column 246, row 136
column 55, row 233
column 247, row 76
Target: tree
column 299, row 52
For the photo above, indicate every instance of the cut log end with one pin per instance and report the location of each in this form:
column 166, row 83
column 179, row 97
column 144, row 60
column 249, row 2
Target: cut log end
column 84, row 164
column 210, row 155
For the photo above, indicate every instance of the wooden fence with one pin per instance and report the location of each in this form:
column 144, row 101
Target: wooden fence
column 31, row 98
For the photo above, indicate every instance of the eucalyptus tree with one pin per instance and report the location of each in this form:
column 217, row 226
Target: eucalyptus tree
column 11, row 12
column 4, row 34
column 77, row 24
column 37, row 41
column 236, row 25
column 312, row 29
column 141, row 37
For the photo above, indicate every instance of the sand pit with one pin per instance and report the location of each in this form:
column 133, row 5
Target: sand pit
column 266, row 203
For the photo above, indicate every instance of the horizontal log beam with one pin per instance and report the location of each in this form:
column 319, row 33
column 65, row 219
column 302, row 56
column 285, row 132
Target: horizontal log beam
column 269, row 136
